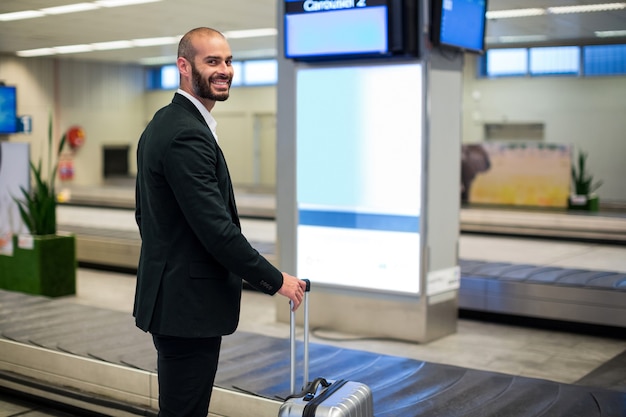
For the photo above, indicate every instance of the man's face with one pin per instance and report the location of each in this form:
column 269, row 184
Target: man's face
column 212, row 71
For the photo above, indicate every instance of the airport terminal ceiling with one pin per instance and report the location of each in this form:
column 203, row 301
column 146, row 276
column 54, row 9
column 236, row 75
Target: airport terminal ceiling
column 161, row 22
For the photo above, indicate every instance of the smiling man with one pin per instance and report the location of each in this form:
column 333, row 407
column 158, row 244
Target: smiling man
column 193, row 254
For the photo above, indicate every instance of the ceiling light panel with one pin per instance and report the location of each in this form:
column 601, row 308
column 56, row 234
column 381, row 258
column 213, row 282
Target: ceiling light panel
column 107, row 46
column 119, row 3
column 73, row 49
column 611, row 33
column 522, row 38
column 169, row 40
column 251, row 33
column 100, row 46
column 586, row 8
column 513, row 13
column 36, row 52
column 70, row 8
column 505, row 14
column 159, row 60
column 26, row 14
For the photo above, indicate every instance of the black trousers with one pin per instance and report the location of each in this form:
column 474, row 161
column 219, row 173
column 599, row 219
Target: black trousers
column 186, row 372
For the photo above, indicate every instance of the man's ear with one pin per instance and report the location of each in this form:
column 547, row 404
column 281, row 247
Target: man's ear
column 184, row 66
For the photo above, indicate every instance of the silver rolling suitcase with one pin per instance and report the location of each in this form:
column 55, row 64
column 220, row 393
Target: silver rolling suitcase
column 322, row 398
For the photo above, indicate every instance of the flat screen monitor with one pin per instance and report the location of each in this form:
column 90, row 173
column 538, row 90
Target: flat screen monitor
column 459, row 24
column 8, row 110
column 340, row 29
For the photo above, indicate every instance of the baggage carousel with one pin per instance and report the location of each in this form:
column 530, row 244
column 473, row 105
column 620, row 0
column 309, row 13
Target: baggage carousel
column 96, row 359
column 608, row 225
column 108, row 238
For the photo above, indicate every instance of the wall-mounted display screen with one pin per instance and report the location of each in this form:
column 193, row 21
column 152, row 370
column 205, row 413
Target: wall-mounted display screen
column 337, row 29
column 8, row 109
column 459, row 24
column 359, row 167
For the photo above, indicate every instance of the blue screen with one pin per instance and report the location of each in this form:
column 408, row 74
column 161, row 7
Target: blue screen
column 463, row 24
column 357, row 31
column 8, row 118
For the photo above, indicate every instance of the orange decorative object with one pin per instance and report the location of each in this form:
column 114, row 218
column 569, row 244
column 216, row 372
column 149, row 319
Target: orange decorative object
column 75, row 137
column 66, row 169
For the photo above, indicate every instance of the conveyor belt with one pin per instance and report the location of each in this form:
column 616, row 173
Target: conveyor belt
column 575, row 295
column 121, row 248
column 583, row 226
column 259, row 205
column 255, row 367
column 606, row 226
column 569, row 294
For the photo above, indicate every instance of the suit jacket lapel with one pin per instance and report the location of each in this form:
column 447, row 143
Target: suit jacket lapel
column 188, row 105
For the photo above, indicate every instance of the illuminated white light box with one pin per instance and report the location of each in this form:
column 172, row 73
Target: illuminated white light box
column 359, row 167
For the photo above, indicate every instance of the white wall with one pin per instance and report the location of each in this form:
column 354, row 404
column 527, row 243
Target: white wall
column 107, row 101
column 588, row 112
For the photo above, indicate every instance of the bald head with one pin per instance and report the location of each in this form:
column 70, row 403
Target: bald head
column 186, row 48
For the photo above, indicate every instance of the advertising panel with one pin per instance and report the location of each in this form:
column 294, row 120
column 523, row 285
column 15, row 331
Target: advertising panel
column 359, row 167
column 516, row 174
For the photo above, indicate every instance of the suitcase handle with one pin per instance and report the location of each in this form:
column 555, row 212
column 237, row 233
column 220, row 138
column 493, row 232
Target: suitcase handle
column 309, row 391
column 292, row 337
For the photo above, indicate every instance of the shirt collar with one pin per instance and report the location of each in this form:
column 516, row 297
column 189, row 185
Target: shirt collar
column 210, row 121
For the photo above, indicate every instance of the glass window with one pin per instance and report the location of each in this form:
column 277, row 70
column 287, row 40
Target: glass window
column 237, row 78
column 512, row 61
column 555, row 60
column 153, row 78
column 260, row 72
column 169, row 77
column 604, row 59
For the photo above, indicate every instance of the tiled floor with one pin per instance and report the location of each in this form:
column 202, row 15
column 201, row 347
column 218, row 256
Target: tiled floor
column 546, row 354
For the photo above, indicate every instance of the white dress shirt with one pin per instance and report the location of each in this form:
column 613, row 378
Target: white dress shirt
column 203, row 110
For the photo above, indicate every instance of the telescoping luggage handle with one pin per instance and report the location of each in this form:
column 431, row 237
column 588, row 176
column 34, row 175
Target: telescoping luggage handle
column 292, row 335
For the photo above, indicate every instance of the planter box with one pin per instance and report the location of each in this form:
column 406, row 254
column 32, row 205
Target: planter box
column 584, row 202
column 44, row 265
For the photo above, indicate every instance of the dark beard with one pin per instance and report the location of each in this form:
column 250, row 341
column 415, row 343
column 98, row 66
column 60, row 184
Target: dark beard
column 203, row 89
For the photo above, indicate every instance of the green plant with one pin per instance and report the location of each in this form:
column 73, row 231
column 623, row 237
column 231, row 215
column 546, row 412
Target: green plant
column 38, row 208
column 583, row 180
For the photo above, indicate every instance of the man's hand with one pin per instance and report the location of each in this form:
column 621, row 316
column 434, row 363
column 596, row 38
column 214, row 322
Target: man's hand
column 293, row 288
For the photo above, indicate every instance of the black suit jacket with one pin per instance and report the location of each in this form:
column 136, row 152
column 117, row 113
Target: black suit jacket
column 193, row 255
